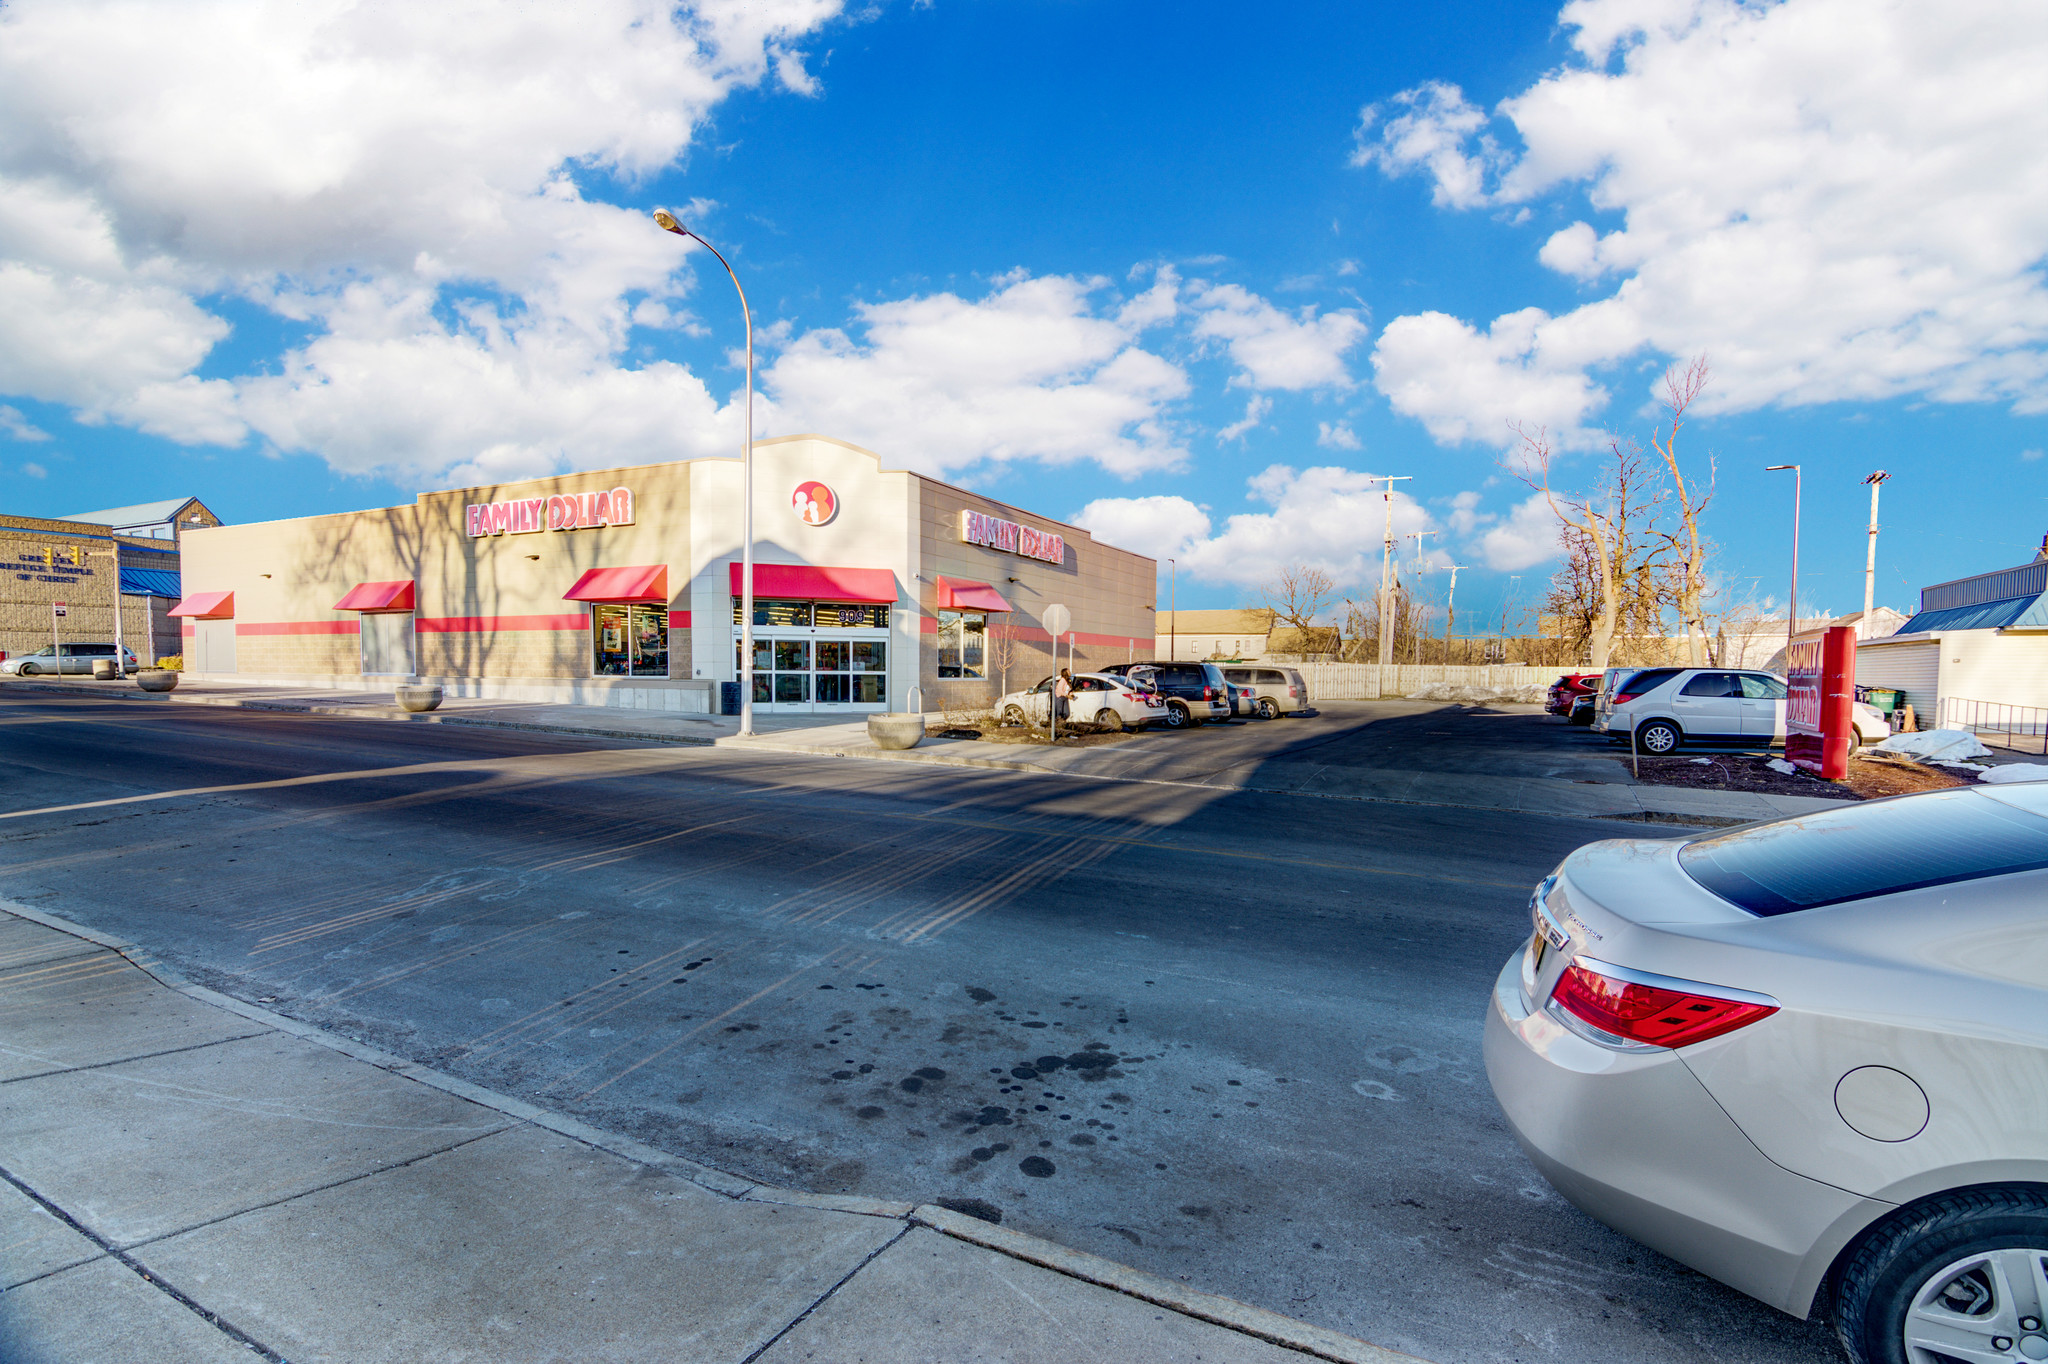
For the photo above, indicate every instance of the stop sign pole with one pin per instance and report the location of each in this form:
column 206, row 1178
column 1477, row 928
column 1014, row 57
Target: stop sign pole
column 1056, row 619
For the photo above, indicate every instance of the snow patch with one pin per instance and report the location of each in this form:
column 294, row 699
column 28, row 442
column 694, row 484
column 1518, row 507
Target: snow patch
column 1934, row 745
column 1480, row 696
column 2012, row 772
column 1780, row 765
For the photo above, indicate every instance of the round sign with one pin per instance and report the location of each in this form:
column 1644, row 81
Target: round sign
column 1056, row 619
column 814, row 503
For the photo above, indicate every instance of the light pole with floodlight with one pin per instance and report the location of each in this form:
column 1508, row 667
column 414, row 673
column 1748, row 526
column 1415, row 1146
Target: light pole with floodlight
column 667, row 222
column 1792, row 612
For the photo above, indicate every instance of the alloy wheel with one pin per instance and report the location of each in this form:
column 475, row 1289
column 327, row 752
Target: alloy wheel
column 1990, row 1305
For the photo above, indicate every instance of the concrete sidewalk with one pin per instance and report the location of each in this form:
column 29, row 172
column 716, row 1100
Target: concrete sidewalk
column 184, row 1176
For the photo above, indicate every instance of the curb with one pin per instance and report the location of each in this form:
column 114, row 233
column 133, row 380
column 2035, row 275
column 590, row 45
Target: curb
column 1272, row 1327
column 365, row 713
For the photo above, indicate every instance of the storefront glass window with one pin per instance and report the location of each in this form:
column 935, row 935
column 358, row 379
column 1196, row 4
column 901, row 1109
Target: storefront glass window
column 629, row 640
column 962, row 641
column 852, row 616
column 870, row 656
column 785, row 613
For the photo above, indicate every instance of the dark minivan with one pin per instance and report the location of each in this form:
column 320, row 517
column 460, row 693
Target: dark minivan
column 1194, row 691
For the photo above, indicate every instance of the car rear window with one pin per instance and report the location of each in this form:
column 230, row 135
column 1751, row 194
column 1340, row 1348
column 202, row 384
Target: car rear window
column 1645, row 679
column 1881, row 848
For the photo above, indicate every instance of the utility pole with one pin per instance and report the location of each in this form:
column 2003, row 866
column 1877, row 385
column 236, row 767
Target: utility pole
column 1792, row 612
column 1451, row 609
column 1387, row 572
column 1416, row 536
column 1876, row 481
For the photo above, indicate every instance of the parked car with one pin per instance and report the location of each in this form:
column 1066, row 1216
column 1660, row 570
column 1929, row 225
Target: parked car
column 75, row 658
column 1668, row 707
column 1582, row 708
column 1277, row 691
column 1808, row 1058
column 1568, row 689
column 1098, row 699
column 1194, row 692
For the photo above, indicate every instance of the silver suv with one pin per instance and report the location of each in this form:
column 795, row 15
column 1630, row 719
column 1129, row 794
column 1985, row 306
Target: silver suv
column 1667, row 707
column 1275, row 691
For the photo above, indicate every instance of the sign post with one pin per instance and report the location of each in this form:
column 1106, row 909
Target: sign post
column 56, row 644
column 1820, row 675
column 1056, row 619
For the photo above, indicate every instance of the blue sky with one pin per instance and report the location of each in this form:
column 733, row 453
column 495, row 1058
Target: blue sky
column 1189, row 274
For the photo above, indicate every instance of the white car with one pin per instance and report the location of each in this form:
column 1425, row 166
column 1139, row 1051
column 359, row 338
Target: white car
column 1668, row 707
column 1098, row 699
column 1809, row 1058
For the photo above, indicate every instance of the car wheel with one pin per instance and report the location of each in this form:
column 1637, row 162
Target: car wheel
column 1658, row 736
column 1110, row 721
column 29, row 670
column 1267, row 709
column 1012, row 715
column 1855, row 743
column 1177, row 716
column 1958, row 1277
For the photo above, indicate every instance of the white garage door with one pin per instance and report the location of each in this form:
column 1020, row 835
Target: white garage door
column 1914, row 669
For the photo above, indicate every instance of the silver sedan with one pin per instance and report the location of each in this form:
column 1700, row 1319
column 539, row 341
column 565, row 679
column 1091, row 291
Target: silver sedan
column 1808, row 1058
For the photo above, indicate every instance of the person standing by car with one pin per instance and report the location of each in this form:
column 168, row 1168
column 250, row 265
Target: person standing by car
column 1062, row 688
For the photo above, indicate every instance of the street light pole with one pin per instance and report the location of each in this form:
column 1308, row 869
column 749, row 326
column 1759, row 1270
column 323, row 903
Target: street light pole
column 1451, row 609
column 1875, row 481
column 1792, row 612
column 667, row 222
column 1172, row 611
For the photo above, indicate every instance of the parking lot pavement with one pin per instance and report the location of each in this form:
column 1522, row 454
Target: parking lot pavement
column 1406, row 752
column 826, row 975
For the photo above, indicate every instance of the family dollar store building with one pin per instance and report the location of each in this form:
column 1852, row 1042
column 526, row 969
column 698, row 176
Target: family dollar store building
column 874, row 589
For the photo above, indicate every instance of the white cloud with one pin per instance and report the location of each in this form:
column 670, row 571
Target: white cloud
column 1159, row 527
column 2030, row 455
column 308, row 157
column 19, row 427
column 1336, row 436
column 1330, row 517
column 1528, row 536
column 1826, row 197
column 35, row 471
column 1255, row 410
column 1034, row 370
column 1271, row 348
column 1465, row 514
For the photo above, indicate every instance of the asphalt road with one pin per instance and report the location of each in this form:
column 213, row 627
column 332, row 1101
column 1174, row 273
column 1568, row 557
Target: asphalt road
column 1232, row 1037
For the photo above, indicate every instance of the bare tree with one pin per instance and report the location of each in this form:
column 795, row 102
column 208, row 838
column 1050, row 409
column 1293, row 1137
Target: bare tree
column 1301, row 594
column 1618, row 522
column 1682, row 387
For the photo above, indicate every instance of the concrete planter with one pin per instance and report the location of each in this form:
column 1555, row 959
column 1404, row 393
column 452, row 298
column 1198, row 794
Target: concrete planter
column 900, row 729
column 103, row 670
column 418, row 698
column 155, row 679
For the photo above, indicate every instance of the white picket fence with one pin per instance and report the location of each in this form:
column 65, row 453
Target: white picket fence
column 1370, row 682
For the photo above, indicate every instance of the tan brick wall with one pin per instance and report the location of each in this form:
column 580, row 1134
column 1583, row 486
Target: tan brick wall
column 1109, row 591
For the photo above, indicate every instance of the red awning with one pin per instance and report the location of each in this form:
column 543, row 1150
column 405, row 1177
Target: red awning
column 207, row 606
column 803, row 582
column 647, row 582
column 957, row 594
column 378, row 597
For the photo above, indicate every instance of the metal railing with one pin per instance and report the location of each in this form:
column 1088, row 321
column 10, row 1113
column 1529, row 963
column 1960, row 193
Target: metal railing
column 2023, row 729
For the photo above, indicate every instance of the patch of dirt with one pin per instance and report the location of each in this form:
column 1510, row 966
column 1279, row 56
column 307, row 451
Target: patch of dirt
column 1871, row 775
column 1074, row 736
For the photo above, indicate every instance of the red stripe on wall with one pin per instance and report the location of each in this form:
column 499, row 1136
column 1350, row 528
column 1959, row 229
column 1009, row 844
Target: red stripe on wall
column 297, row 627
column 187, row 629
column 679, row 620
column 476, row 625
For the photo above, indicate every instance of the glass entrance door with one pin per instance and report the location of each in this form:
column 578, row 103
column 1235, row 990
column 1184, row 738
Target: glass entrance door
column 819, row 675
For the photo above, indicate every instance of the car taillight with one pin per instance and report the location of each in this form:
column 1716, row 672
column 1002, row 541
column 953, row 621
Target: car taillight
column 1208, row 693
column 1674, row 1015
column 1290, row 691
column 1622, row 698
